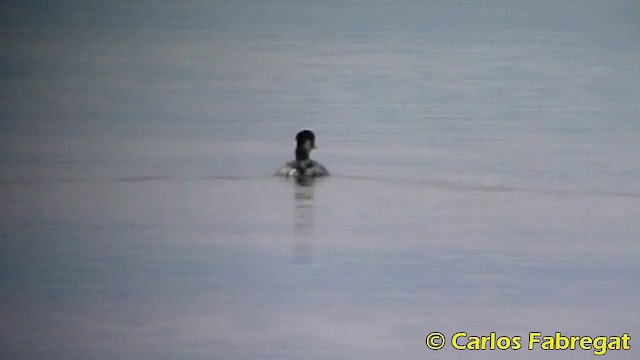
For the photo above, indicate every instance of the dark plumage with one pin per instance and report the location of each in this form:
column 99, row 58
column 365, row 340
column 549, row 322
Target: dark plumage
column 303, row 165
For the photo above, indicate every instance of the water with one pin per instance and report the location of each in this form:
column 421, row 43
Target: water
column 485, row 177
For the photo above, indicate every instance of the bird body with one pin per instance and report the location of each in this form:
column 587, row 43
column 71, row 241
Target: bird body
column 303, row 166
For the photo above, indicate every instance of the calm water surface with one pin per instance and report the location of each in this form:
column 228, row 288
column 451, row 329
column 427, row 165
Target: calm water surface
column 485, row 165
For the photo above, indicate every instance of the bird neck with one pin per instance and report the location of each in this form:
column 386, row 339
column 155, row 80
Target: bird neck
column 302, row 154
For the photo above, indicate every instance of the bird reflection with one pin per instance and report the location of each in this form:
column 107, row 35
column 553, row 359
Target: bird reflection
column 303, row 223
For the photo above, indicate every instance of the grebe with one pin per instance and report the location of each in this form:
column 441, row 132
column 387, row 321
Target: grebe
column 303, row 166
